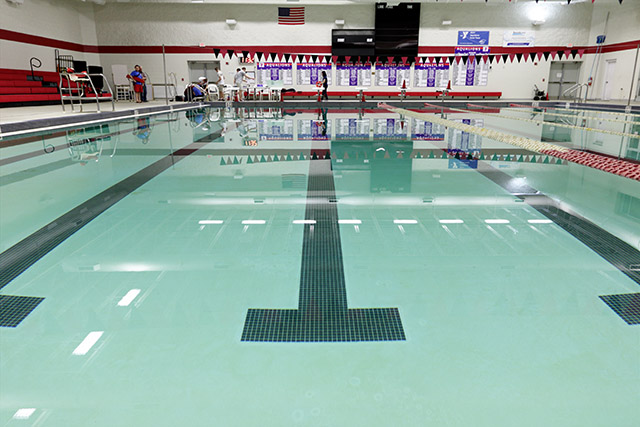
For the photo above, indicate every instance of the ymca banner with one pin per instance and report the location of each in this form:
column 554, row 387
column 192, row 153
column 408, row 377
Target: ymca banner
column 473, row 38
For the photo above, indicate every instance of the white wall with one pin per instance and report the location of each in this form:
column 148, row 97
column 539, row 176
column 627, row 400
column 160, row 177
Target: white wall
column 118, row 24
column 623, row 25
column 190, row 24
column 153, row 24
column 564, row 24
column 64, row 20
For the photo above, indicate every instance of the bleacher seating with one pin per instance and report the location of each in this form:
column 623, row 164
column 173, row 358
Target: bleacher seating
column 16, row 90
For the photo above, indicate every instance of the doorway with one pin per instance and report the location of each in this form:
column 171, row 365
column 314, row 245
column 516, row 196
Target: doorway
column 608, row 79
column 563, row 75
column 206, row 69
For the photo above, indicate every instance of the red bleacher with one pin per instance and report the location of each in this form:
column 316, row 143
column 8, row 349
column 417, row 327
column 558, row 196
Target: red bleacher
column 16, row 90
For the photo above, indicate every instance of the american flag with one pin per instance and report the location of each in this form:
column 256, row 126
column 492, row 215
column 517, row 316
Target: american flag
column 291, row 15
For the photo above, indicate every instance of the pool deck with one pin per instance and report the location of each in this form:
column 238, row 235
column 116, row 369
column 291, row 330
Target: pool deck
column 16, row 120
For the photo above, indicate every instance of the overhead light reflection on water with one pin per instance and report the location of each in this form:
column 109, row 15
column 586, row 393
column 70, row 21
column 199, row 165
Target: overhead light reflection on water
column 451, row 221
column 539, row 221
column 405, row 221
column 23, row 413
column 210, row 221
column 496, row 221
column 254, row 221
column 304, row 221
column 136, row 267
column 87, row 343
column 129, row 297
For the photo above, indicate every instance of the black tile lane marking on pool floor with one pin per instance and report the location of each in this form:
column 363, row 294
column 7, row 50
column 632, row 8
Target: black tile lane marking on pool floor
column 14, row 309
column 617, row 252
column 33, row 172
column 29, row 250
column 322, row 314
column 627, row 306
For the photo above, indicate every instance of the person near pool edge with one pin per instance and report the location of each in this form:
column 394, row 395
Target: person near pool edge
column 325, row 85
column 138, row 82
column 238, row 80
column 143, row 96
column 220, row 83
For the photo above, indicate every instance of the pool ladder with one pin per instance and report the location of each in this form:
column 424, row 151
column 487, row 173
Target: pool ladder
column 576, row 89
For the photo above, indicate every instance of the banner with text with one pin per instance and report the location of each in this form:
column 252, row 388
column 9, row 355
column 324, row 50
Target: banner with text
column 310, row 74
column 273, row 73
column 390, row 129
column 519, row 38
column 275, row 130
column 353, row 75
column 474, row 73
column 473, row 38
column 431, row 75
column 314, row 130
column 393, row 75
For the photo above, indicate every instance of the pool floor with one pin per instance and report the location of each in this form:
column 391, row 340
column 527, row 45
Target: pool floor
column 241, row 271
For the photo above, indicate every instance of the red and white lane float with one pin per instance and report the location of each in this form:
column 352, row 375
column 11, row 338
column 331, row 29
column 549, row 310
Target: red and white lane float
column 596, row 161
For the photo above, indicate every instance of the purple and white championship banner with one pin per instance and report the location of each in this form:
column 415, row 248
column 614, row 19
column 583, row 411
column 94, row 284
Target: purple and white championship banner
column 274, row 73
column 393, row 75
column 310, row 74
column 431, row 75
column 353, row 75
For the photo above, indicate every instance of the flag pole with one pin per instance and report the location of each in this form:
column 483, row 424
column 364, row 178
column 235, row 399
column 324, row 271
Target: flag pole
column 164, row 66
column 633, row 75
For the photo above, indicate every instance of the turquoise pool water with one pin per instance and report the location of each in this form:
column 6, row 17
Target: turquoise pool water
column 321, row 267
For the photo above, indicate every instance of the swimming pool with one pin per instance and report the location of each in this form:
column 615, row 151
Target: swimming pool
column 317, row 267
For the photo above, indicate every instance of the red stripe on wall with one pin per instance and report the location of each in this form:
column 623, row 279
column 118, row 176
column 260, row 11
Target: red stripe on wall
column 45, row 41
column 304, row 49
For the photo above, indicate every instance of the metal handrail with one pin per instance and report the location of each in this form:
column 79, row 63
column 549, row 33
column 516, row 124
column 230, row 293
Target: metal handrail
column 79, row 89
column 62, row 61
column 33, row 65
column 576, row 87
column 104, row 79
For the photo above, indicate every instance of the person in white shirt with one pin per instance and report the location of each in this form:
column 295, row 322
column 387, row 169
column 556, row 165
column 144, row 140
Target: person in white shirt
column 239, row 79
column 220, row 82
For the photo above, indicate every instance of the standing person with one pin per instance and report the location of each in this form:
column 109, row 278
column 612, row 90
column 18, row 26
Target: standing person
column 144, row 86
column 138, row 82
column 325, row 85
column 220, row 82
column 238, row 80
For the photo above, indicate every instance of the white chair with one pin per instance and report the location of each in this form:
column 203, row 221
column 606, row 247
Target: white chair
column 212, row 93
column 275, row 94
column 265, row 91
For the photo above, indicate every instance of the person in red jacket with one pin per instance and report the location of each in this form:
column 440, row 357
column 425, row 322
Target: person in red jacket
column 138, row 82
